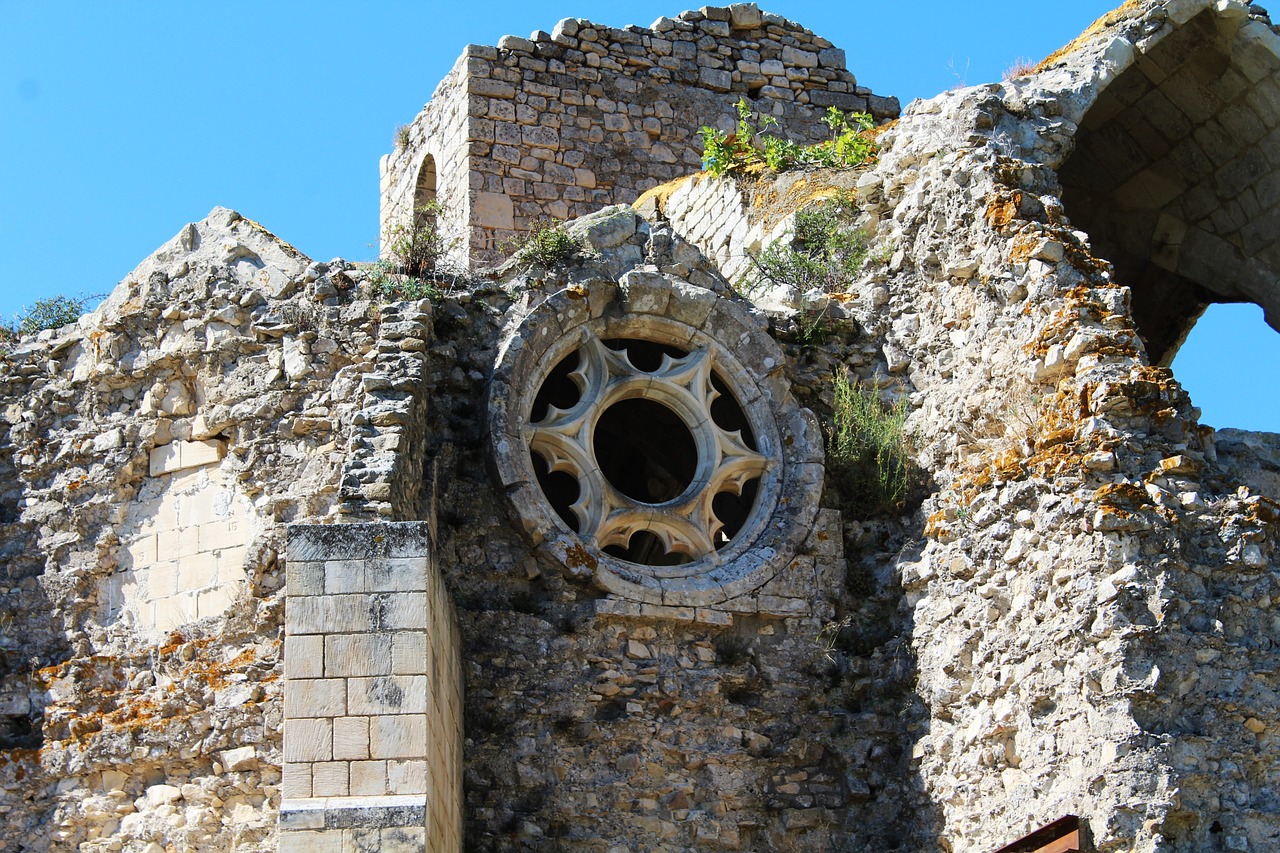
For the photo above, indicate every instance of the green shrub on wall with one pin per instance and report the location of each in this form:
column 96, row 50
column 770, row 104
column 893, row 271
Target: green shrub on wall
column 868, row 450
column 751, row 142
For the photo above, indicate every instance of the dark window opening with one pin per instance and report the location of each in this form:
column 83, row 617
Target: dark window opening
column 424, row 192
column 728, row 413
column 561, row 489
column 644, row 355
column 733, row 511
column 558, row 389
column 646, row 549
column 645, row 451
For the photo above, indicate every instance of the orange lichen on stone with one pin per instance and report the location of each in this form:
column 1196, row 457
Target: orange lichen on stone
column 577, row 557
column 117, row 707
column 1123, row 496
column 658, row 196
column 1106, row 22
column 1002, row 209
column 1263, row 511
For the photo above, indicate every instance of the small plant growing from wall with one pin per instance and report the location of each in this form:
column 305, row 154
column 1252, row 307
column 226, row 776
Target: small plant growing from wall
column 52, row 313
column 868, row 450
column 754, row 141
column 826, row 251
column 416, row 259
column 546, row 245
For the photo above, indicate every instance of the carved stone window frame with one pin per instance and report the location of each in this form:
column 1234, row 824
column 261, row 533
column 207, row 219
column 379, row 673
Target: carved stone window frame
column 650, row 306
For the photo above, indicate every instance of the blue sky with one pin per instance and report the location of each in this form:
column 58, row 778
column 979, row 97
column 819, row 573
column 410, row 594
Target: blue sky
column 120, row 122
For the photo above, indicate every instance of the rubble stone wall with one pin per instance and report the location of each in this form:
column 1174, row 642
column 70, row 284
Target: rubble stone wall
column 1080, row 618
column 156, row 450
column 563, row 123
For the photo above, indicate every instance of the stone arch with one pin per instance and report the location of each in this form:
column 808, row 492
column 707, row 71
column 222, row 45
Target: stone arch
column 1175, row 174
column 424, row 191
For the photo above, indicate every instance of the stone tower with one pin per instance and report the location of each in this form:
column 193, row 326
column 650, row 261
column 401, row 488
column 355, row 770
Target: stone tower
column 564, row 123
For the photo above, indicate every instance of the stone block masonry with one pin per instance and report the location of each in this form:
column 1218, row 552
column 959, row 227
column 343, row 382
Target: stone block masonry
column 562, row 123
column 373, row 699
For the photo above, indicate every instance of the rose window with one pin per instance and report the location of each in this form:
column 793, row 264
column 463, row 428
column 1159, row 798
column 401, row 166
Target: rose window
column 644, row 436
column 642, row 450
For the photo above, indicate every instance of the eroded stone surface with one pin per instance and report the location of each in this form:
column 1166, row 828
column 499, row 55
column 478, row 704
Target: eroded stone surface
column 1079, row 618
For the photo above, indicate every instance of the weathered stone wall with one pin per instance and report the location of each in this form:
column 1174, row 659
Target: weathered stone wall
column 440, row 140
column 1092, row 610
column 563, row 123
column 1081, row 618
column 594, row 722
column 155, row 450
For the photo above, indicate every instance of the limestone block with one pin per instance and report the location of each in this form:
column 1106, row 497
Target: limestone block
column 802, row 58
column 240, row 759
column 407, row 611
column 304, row 657
column 227, row 533
column 404, row 574
column 403, row 839
column 182, row 543
column 319, row 615
column 141, row 551
column 368, row 778
column 304, row 578
column 198, row 453
column 214, row 602
column 744, row 16
column 315, row 697
column 344, row 576
column 159, row 795
column 390, row 694
column 492, row 210
column 307, row 740
column 296, row 781
column 357, row 654
column 196, row 571
column 174, row 612
column 409, row 653
column 515, row 43
column 399, row 736
column 164, row 460
column 351, row 738
column 315, row 841
column 330, row 779
column 407, row 777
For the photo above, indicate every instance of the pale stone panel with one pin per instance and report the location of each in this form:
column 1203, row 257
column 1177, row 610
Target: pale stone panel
column 183, row 542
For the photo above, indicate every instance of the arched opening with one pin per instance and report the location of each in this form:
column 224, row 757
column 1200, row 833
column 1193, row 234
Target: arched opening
column 425, row 206
column 1175, row 175
column 1241, row 395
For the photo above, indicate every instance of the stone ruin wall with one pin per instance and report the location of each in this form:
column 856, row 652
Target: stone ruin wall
column 564, row 123
column 1079, row 619
column 159, row 447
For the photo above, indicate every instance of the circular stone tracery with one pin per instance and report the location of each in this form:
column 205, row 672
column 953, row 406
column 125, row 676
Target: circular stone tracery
column 650, row 459
column 726, row 486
